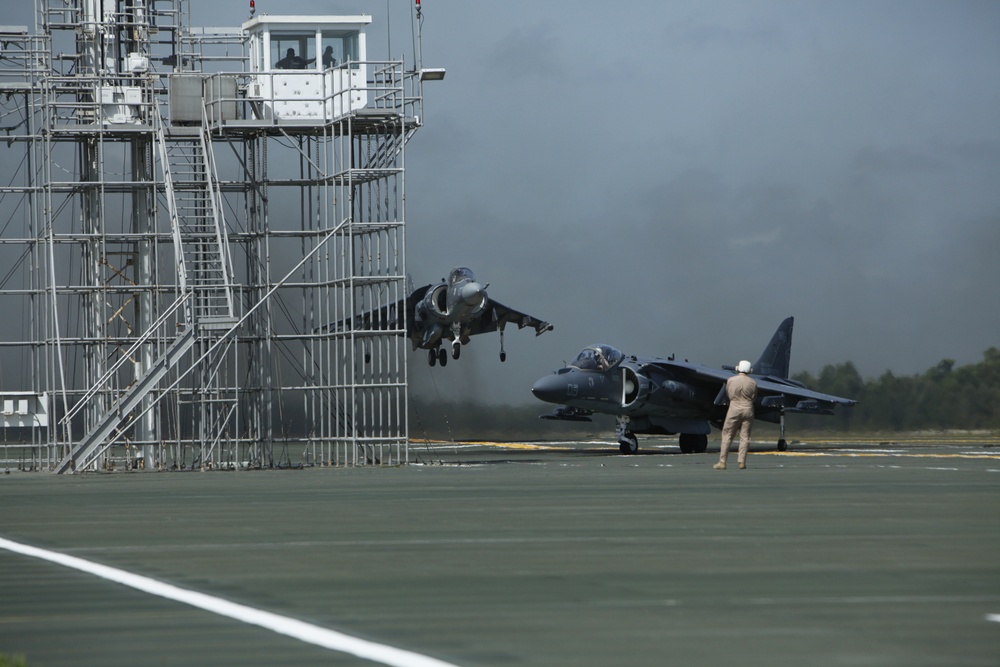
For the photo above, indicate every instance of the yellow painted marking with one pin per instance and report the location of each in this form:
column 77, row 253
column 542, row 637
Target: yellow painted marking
column 501, row 445
column 553, row 447
column 995, row 457
column 512, row 445
column 602, row 445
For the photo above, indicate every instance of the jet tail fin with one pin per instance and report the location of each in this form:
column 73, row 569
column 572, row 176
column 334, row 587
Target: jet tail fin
column 777, row 356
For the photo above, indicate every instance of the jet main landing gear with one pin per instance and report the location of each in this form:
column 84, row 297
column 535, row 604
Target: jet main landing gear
column 438, row 355
column 693, row 443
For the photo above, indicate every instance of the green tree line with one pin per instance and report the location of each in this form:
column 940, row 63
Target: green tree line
column 943, row 397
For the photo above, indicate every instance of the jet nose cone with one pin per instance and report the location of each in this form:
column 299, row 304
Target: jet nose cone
column 550, row 388
column 473, row 294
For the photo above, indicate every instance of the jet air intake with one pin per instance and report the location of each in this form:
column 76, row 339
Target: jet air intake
column 635, row 388
column 436, row 301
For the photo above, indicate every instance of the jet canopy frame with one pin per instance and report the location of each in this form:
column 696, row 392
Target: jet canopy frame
column 598, row 358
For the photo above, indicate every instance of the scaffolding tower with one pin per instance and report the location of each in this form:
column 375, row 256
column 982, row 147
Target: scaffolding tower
column 186, row 225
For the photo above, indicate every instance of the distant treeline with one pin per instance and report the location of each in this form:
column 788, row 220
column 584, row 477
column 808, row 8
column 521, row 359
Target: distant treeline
column 942, row 398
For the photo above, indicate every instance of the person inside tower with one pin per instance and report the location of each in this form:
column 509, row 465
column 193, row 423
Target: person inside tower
column 328, row 59
column 292, row 61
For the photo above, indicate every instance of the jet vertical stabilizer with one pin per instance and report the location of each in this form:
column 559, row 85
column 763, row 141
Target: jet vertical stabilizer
column 776, row 358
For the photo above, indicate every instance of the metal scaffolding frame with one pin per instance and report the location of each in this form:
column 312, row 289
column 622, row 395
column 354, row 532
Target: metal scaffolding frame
column 179, row 285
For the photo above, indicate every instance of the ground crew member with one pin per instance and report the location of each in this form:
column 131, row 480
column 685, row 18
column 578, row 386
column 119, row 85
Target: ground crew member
column 742, row 391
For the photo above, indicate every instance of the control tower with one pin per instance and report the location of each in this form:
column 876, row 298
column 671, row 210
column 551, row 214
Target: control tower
column 191, row 214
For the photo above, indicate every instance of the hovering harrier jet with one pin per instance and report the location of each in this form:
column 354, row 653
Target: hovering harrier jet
column 666, row 396
column 450, row 311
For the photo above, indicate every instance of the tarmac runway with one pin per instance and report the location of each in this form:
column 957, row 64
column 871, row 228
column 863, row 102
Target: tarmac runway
column 832, row 554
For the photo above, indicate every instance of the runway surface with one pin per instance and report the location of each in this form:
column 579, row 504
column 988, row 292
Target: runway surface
column 834, row 553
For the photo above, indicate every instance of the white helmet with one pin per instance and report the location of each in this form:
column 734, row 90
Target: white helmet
column 743, row 367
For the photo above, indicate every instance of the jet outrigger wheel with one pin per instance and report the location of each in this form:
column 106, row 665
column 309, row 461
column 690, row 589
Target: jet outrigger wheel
column 782, row 443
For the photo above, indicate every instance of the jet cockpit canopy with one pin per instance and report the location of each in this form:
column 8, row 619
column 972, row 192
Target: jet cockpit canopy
column 459, row 274
column 597, row 358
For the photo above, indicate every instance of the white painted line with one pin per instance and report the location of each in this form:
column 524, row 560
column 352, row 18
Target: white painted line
column 311, row 634
column 993, row 617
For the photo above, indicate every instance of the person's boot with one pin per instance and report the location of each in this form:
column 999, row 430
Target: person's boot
column 720, row 466
column 743, row 465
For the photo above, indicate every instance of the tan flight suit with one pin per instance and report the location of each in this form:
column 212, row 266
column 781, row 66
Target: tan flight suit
column 742, row 391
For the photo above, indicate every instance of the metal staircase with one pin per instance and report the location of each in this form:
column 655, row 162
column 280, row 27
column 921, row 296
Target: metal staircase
column 201, row 245
column 122, row 415
column 204, row 273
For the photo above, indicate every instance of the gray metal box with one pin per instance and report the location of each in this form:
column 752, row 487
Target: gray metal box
column 185, row 99
column 220, row 97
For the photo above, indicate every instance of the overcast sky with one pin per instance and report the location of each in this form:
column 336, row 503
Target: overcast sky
column 678, row 177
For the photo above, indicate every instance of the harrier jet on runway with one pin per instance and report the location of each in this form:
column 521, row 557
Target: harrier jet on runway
column 665, row 396
column 452, row 310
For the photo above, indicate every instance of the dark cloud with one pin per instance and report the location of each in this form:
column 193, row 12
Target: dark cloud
column 679, row 177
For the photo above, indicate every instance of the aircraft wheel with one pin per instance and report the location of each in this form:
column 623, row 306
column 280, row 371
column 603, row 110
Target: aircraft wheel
column 693, row 443
column 432, row 357
column 782, row 445
column 503, row 357
column 629, row 444
column 442, row 356
column 456, row 351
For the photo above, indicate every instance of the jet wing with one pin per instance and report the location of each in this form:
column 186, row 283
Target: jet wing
column 778, row 393
column 384, row 318
column 772, row 392
column 685, row 370
column 496, row 316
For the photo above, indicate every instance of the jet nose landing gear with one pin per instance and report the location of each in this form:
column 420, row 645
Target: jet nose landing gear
column 628, row 444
